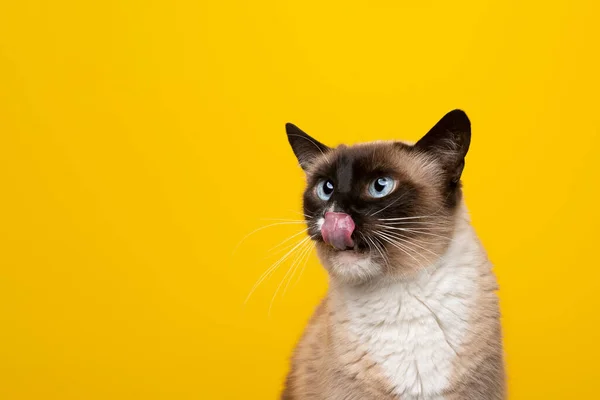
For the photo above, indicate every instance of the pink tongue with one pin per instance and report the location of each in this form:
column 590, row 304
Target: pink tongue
column 337, row 230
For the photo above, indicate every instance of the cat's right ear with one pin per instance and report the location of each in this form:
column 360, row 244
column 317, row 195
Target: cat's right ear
column 449, row 141
column 305, row 147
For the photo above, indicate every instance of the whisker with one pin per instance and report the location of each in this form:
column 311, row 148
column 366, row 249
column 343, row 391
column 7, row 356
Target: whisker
column 411, row 245
column 300, row 213
column 366, row 240
column 380, row 246
column 301, row 257
column 405, row 218
column 290, row 270
column 288, row 239
column 405, row 239
column 258, row 230
column 304, row 265
column 434, row 214
column 309, row 215
column 386, row 207
column 273, row 267
column 422, row 241
column 409, row 222
column 437, row 230
column 398, row 246
column 379, row 250
column 418, row 228
column 414, row 231
column 429, row 263
column 279, row 251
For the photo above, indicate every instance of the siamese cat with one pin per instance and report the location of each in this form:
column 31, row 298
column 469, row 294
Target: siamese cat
column 411, row 311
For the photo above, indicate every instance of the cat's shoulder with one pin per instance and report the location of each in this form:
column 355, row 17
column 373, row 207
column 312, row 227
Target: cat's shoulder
column 307, row 355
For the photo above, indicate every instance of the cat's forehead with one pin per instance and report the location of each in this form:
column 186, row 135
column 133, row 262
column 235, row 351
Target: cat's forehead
column 365, row 159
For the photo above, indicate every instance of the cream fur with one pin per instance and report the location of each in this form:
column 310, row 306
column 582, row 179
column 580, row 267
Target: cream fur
column 413, row 329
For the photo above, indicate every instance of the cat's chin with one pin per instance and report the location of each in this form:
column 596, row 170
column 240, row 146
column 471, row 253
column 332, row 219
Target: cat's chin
column 351, row 266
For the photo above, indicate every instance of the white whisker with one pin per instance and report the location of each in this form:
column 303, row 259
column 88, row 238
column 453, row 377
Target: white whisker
column 303, row 214
column 418, row 228
column 408, row 240
column 386, row 207
column 283, row 249
column 422, row 241
column 258, row 230
column 290, row 269
column 414, row 231
column 429, row 263
column 379, row 250
column 307, row 248
column 398, row 246
column 304, row 265
column 405, row 218
column 273, row 267
column 287, row 240
column 410, row 222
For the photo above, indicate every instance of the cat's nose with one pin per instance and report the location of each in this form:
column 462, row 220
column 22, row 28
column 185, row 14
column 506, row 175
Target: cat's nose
column 337, row 230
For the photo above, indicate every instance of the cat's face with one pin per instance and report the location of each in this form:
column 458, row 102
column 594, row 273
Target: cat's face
column 383, row 209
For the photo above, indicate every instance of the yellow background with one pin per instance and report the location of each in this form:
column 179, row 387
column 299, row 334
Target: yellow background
column 141, row 140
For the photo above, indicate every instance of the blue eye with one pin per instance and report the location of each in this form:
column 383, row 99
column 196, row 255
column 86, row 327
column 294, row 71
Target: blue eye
column 381, row 187
column 325, row 189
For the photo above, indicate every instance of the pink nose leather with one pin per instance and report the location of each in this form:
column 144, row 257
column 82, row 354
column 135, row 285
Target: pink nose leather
column 337, row 230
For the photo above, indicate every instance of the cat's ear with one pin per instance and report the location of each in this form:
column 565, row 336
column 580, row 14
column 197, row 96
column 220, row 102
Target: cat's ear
column 449, row 142
column 305, row 147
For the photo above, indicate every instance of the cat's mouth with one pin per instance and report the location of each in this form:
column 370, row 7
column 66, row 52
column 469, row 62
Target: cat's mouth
column 338, row 232
column 358, row 247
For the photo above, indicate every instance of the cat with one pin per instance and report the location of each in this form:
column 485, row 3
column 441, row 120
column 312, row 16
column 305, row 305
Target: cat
column 411, row 311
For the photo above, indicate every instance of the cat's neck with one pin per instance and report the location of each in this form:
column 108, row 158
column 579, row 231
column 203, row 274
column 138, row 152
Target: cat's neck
column 417, row 325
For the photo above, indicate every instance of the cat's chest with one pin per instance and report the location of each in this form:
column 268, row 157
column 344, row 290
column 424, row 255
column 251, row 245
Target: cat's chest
column 414, row 331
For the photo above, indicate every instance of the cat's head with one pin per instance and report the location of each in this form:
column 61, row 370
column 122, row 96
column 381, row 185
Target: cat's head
column 383, row 209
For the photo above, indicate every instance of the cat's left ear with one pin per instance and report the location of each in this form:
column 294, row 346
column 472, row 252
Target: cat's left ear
column 449, row 142
column 305, row 147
